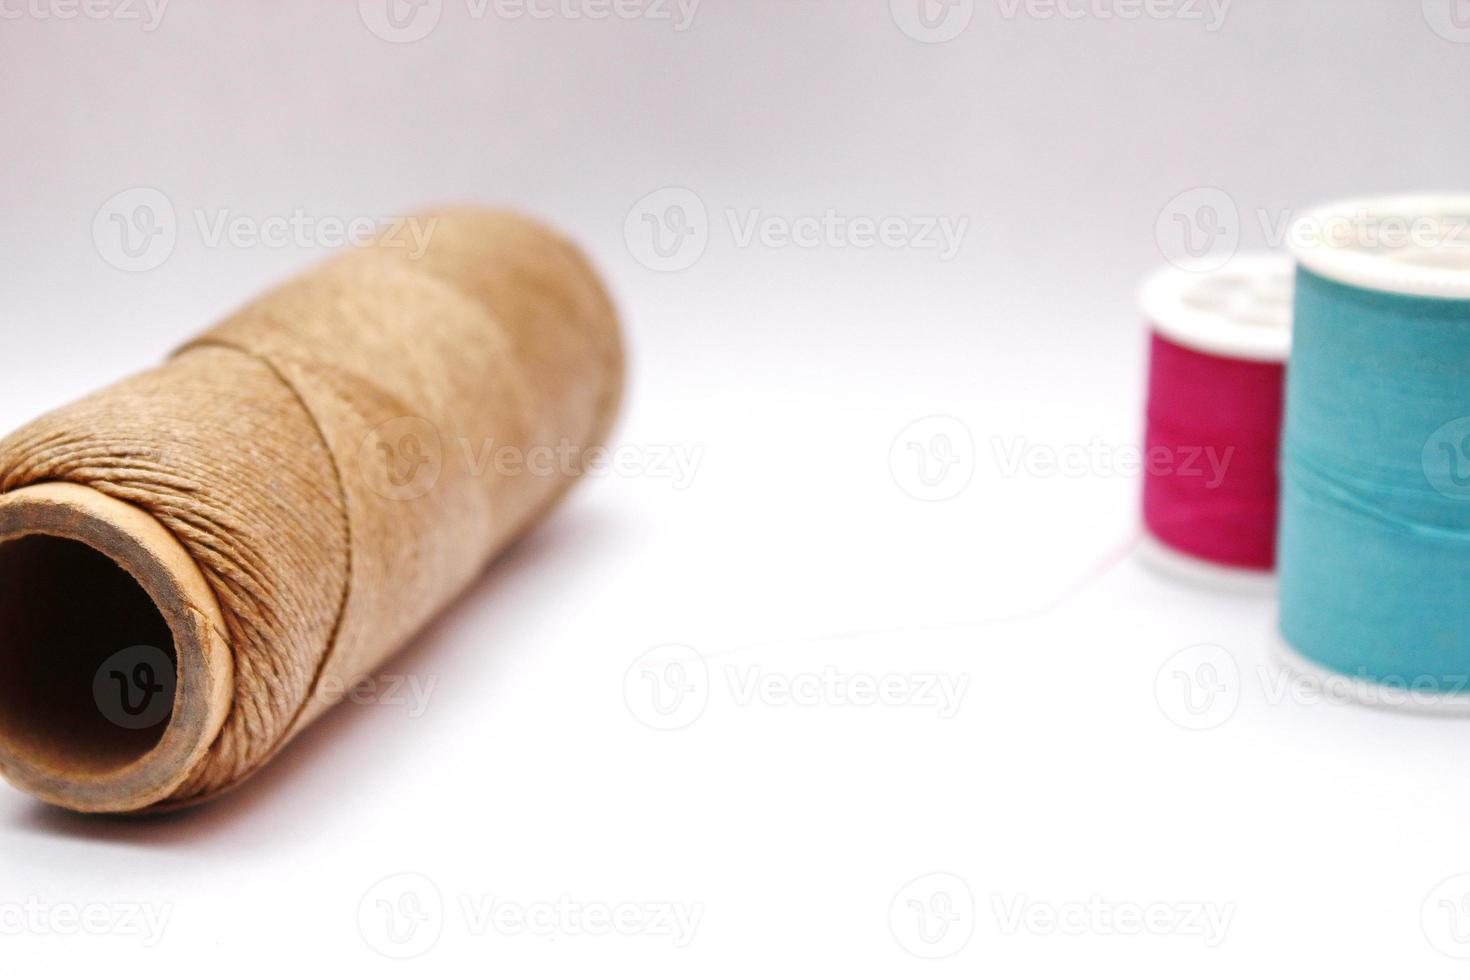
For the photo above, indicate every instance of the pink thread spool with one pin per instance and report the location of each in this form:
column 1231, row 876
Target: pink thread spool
column 1217, row 370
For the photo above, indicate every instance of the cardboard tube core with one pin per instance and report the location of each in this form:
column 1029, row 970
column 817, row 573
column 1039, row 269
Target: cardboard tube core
column 115, row 670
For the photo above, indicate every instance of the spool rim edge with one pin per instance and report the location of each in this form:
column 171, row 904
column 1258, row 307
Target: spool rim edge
column 1368, row 271
column 1368, row 694
column 1161, row 301
column 148, row 552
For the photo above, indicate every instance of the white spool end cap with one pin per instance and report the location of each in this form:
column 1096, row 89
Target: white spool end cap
column 1241, row 310
column 1172, row 563
column 1413, row 245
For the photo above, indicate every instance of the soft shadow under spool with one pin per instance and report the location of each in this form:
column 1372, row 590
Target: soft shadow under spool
column 82, row 577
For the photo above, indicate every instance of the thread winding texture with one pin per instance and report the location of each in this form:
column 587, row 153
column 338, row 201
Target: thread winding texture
column 1375, row 524
column 1213, row 436
column 326, row 454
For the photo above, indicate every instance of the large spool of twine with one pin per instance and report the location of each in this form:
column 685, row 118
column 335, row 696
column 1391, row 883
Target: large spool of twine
column 190, row 557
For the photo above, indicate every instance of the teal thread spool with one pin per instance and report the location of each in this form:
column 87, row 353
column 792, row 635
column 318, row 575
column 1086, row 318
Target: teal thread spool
column 1375, row 524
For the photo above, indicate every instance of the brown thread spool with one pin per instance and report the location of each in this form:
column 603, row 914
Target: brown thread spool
column 280, row 506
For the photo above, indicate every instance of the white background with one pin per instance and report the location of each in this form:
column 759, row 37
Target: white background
column 1072, row 779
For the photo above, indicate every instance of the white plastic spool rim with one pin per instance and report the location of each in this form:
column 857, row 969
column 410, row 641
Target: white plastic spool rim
column 1175, row 564
column 1414, row 245
column 1241, row 310
column 1358, row 690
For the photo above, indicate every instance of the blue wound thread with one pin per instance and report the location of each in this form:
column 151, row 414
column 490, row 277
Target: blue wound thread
column 1375, row 518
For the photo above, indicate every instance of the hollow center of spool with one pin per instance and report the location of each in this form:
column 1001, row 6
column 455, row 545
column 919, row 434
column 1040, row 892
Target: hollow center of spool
column 88, row 668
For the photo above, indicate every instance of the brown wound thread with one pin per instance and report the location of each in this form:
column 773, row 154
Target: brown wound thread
column 338, row 482
column 195, row 793
column 325, row 461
